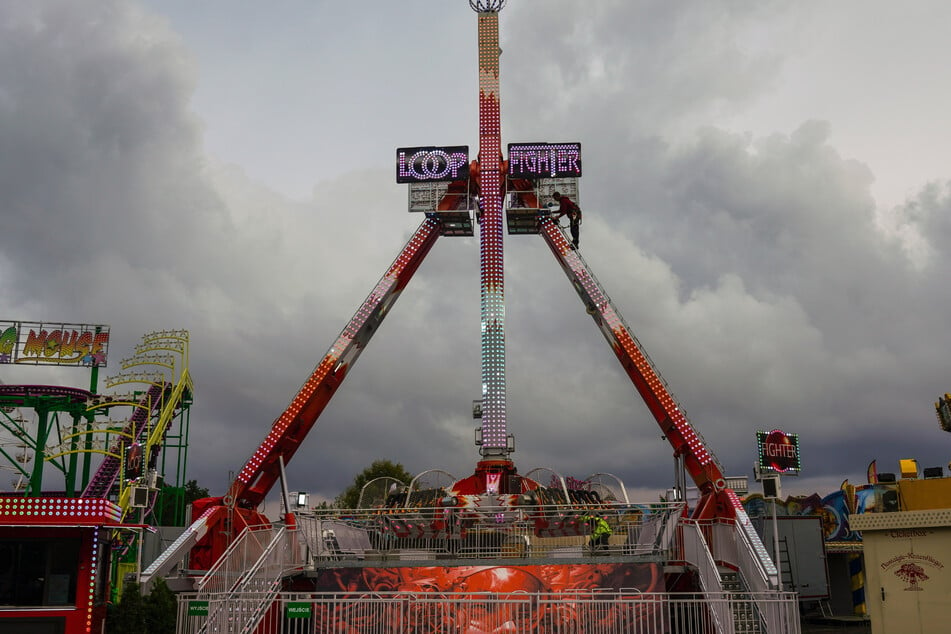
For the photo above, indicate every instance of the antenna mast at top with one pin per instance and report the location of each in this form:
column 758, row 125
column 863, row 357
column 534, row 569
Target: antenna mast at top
column 487, row 6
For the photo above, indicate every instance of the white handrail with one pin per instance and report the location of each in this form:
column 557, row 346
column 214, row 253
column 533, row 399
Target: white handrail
column 754, row 562
column 697, row 553
column 758, row 570
column 233, row 563
column 264, row 578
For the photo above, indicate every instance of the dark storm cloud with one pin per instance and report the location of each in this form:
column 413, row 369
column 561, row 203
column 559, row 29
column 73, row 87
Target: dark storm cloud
column 100, row 164
column 627, row 68
column 758, row 273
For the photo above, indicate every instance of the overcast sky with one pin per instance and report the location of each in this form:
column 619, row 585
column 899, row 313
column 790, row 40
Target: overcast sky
column 766, row 197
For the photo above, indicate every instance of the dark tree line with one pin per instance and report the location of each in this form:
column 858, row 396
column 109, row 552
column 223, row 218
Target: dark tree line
column 153, row 613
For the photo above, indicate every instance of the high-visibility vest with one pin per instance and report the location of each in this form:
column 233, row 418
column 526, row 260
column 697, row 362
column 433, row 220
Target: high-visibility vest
column 601, row 526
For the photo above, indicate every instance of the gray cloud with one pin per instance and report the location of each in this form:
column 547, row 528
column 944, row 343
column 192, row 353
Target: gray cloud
column 757, row 270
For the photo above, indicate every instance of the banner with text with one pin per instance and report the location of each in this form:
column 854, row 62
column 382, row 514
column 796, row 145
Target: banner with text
column 38, row 343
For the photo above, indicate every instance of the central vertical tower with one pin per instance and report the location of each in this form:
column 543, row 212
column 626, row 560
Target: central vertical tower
column 494, row 432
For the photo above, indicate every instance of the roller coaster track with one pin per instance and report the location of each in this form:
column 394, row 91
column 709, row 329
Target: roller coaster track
column 105, row 476
column 20, row 394
column 157, row 435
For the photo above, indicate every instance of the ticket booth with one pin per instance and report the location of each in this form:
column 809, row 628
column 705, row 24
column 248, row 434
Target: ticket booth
column 54, row 564
column 908, row 570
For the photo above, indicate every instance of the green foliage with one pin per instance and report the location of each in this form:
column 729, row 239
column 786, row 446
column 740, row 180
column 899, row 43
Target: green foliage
column 129, row 616
column 169, row 510
column 173, row 501
column 194, row 492
column 160, row 609
column 152, row 614
column 380, row 468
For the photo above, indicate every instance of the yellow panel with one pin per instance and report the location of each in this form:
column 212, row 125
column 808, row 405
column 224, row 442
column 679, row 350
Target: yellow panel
column 930, row 493
column 909, row 467
column 122, row 569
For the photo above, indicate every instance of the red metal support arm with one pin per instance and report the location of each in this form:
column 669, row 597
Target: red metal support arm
column 685, row 440
column 262, row 469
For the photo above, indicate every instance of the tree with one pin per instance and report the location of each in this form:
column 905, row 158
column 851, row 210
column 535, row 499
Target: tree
column 154, row 613
column 160, row 609
column 194, row 492
column 379, row 469
column 129, row 616
column 175, row 500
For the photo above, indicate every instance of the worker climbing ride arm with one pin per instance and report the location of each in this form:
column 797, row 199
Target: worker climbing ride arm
column 573, row 211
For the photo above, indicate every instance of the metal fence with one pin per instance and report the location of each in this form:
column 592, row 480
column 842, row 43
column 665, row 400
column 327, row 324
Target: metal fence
column 576, row 612
column 240, row 556
column 439, row 533
column 241, row 593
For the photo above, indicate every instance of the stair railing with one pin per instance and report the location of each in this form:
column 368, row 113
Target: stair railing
column 697, row 553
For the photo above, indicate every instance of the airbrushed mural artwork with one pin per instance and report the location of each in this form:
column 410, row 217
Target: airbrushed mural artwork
column 479, row 613
column 834, row 509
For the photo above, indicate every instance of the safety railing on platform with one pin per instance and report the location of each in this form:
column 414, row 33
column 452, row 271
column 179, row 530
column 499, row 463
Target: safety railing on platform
column 738, row 545
column 557, row 531
column 234, row 564
column 226, row 574
column 697, row 553
column 264, row 578
column 250, row 573
column 415, row 612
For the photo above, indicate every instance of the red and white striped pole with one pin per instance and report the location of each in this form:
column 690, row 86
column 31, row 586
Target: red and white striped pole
column 494, row 432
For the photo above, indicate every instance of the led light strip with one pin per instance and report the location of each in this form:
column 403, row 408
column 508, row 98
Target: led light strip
column 631, row 347
column 82, row 510
column 382, row 290
column 94, row 560
column 494, row 432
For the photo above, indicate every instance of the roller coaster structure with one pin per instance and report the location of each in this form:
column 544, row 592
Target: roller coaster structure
column 155, row 435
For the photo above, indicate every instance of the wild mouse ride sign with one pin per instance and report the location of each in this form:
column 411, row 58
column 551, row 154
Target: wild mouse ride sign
column 37, row 343
column 778, row 452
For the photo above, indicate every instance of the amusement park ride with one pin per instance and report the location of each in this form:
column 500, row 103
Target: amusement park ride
column 449, row 189
column 158, row 392
column 65, row 553
column 234, row 554
column 509, row 512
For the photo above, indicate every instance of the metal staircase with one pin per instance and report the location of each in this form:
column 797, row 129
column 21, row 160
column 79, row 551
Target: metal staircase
column 246, row 579
column 264, row 579
column 697, row 553
column 745, row 616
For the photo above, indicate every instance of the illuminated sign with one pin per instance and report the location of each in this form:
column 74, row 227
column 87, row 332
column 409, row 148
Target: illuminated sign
column 133, row 461
column 53, row 344
column 778, row 451
column 429, row 164
column 545, row 160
